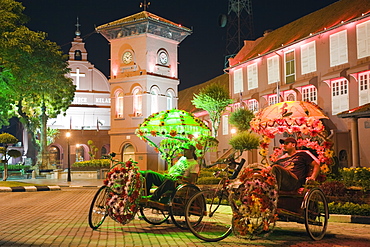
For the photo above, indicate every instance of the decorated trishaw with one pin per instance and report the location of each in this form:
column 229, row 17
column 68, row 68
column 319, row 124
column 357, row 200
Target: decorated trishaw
column 168, row 132
column 254, row 200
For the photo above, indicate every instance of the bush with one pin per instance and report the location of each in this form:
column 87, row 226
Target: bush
column 16, row 167
column 97, row 163
column 349, row 208
column 358, row 177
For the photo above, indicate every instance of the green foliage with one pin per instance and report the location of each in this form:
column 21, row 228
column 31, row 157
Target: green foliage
column 208, row 180
column 349, row 208
column 92, row 149
column 241, row 119
column 18, row 167
column 358, row 177
column 214, row 99
column 6, row 138
column 245, row 141
column 34, row 85
column 97, row 163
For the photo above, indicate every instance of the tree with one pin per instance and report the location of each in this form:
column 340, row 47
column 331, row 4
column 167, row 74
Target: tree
column 214, row 99
column 6, row 153
column 38, row 88
column 241, row 118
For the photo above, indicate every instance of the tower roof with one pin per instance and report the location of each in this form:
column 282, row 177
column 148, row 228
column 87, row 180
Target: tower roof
column 143, row 22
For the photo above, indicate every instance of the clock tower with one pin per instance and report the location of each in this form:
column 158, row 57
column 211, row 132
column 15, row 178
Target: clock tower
column 143, row 79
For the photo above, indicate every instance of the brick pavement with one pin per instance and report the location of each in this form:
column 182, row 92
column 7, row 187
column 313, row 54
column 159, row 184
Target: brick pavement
column 59, row 218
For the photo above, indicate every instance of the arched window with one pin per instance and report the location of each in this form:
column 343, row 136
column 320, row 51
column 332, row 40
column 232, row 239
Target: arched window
column 154, row 96
column 54, row 156
column 80, row 153
column 137, row 102
column 169, row 98
column 119, row 104
column 78, row 55
column 128, row 152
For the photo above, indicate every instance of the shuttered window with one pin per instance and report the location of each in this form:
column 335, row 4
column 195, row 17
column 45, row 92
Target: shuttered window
column 308, row 58
column 339, row 90
column 289, row 67
column 363, row 39
column 252, row 76
column 364, row 88
column 238, row 81
column 338, row 48
column 273, row 72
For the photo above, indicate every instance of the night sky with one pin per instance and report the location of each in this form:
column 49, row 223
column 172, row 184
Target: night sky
column 201, row 55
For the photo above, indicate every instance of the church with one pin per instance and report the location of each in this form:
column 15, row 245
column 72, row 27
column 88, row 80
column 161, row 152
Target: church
column 88, row 117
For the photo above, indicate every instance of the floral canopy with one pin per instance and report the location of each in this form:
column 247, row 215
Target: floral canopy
column 179, row 127
column 299, row 118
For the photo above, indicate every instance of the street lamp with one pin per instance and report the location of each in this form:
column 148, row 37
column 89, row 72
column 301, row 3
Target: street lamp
column 68, row 135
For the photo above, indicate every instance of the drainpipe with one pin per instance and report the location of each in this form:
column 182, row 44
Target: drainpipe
column 354, row 138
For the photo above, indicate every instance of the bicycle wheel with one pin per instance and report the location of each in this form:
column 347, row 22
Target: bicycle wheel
column 208, row 215
column 178, row 203
column 316, row 214
column 98, row 209
column 153, row 215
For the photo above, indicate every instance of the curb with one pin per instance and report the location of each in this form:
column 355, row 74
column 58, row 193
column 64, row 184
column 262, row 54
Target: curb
column 341, row 218
column 29, row 188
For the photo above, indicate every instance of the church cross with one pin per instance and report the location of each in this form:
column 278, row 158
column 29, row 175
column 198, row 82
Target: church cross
column 144, row 5
column 77, row 75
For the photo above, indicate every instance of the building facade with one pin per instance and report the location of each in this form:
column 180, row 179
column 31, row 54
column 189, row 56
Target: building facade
column 143, row 79
column 324, row 58
column 88, row 117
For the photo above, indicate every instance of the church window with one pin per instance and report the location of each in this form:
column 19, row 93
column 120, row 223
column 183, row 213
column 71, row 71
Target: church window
column 128, row 152
column 78, row 55
column 238, row 81
column 309, row 93
column 273, row 73
column 338, row 48
column 137, row 102
column 252, row 76
column 308, row 58
column 363, row 39
column 119, row 104
column 340, row 99
column 170, row 98
column 289, row 67
column 154, row 96
column 364, row 87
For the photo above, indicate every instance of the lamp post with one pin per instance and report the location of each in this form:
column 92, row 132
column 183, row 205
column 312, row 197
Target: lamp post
column 68, row 135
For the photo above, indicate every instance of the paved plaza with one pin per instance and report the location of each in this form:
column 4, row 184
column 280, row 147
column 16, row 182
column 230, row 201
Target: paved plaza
column 59, row 218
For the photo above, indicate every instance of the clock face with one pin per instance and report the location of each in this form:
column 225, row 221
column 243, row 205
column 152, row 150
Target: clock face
column 163, row 58
column 127, row 57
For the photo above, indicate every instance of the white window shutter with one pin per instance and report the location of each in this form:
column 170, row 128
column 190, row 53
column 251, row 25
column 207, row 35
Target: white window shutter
column 273, row 72
column 361, row 40
column 304, row 59
column 312, row 56
column 342, row 47
column 252, row 76
column 225, row 124
column 334, row 50
column 238, row 81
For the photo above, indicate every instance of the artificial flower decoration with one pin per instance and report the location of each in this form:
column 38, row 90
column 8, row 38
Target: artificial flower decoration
column 294, row 117
column 125, row 185
column 254, row 210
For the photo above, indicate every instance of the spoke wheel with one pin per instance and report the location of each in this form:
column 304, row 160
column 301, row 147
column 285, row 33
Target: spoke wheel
column 208, row 215
column 98, row 209
column 178, row 203
column 153, row 215
column 316, row 214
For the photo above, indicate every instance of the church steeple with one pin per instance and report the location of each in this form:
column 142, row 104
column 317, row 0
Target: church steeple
column 78, row 51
